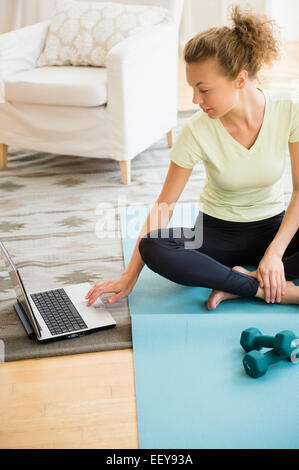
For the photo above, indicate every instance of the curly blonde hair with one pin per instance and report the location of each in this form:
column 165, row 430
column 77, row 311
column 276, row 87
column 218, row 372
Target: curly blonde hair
column 252, row 42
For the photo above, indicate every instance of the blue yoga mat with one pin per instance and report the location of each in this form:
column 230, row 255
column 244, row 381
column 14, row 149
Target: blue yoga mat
column 191, row 388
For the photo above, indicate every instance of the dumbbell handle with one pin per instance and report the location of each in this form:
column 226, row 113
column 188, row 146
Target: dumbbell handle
column 264, row 341
column 273, row 357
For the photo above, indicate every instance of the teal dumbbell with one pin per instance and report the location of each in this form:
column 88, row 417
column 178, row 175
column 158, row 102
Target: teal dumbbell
column 256, row 364
column 252, row 338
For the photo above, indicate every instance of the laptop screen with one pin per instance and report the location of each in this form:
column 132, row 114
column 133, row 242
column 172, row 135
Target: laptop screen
column 19, row 288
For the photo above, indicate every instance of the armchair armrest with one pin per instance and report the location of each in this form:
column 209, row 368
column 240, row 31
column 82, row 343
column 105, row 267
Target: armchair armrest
column 142, row 83
column 19, row 49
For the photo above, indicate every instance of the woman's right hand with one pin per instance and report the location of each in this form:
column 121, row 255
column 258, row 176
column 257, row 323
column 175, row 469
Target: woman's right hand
column 121, row 286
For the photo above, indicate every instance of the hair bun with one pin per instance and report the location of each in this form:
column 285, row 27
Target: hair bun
column 252, row 42
column 258, row 33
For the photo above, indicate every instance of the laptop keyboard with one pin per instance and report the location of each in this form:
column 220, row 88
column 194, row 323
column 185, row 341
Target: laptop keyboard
column 58, row 311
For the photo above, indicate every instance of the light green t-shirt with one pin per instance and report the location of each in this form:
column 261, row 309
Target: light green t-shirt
column 241, row 184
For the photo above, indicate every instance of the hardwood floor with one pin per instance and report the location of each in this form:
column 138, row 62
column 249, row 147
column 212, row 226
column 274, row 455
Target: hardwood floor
column 88, row 400
column 80, row 401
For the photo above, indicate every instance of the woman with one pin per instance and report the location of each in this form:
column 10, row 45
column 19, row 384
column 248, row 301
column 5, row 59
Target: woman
column 241, row 135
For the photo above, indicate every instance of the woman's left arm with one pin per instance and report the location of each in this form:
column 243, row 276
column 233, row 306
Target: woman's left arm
column 270, row 272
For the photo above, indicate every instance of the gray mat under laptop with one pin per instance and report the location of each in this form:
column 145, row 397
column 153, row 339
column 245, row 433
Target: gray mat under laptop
column 58, row 216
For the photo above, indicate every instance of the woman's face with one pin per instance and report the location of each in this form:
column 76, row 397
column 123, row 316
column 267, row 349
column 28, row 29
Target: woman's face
column 215, row 94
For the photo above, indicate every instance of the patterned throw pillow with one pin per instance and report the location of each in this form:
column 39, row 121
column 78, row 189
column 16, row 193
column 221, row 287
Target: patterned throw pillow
column 82, row 33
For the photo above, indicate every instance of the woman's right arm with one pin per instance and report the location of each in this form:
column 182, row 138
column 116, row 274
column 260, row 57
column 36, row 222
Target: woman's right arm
column 158, row 217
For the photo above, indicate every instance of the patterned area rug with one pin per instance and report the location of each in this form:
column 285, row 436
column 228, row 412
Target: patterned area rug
column 59, row 221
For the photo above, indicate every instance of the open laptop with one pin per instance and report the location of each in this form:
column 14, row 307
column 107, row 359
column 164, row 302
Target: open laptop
column 58, row 313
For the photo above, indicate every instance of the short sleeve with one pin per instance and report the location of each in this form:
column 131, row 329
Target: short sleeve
column 294, row 128
column 186, row 150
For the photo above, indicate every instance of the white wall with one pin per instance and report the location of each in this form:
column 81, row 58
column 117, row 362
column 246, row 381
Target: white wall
column 15, row 14
column 199, row 15
column 286, row 14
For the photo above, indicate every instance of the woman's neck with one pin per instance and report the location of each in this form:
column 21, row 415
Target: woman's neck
column 249, row 108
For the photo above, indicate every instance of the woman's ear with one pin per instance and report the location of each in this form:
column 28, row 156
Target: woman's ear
column 241, row 79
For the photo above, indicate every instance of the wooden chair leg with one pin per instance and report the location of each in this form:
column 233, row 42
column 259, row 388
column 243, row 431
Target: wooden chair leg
column 170, row 138
column 3, row 156
column 125, row 170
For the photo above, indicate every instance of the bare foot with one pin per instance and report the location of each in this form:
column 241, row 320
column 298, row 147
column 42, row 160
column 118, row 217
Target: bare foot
column 291, row 296
column 217, row 296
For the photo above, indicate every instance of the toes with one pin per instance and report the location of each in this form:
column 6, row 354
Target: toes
column 214, row 302
column 214, row 299
column 240, row 269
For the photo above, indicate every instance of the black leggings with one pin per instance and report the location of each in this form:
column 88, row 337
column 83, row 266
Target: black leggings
column 225, row 244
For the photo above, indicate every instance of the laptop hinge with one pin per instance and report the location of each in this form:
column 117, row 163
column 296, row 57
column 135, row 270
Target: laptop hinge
column 24, row 320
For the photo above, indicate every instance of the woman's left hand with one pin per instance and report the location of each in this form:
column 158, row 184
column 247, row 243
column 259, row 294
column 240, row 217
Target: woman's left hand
column 270, row 274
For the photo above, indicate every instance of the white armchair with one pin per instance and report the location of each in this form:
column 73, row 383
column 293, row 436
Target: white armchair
column 101, row 112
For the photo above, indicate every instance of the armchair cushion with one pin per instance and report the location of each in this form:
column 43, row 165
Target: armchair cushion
column 82, row 33
column 69, row 86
